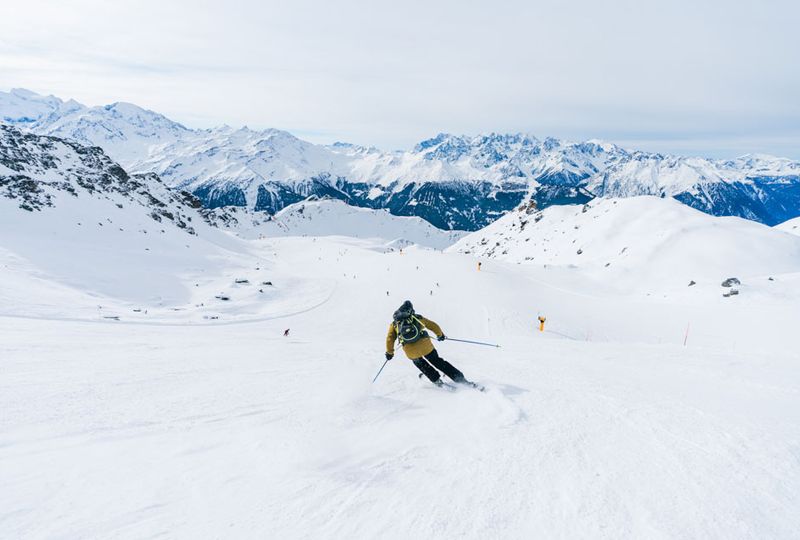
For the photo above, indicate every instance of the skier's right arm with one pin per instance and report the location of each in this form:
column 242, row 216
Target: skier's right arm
column 432, row 326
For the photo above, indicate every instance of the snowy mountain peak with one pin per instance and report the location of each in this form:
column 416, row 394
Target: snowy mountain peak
column 453, row 181
column 23, row 107
column 352, row 149
column 453, row 147
column 764, row 164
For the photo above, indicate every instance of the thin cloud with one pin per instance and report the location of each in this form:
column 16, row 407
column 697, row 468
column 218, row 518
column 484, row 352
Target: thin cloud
column 671, row 75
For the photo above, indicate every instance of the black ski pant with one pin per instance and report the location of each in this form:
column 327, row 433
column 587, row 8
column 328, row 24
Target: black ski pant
column 427, row 363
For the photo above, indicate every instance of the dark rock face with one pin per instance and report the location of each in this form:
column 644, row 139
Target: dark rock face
column 731, row 281
column 275, row 198
column 217, row 196
column 32, row 155
column 27, row 191
column 452, row 205
column 551, row 195
column 471, row 205
column 768, row 200
column 447, row 205
column 45, row 167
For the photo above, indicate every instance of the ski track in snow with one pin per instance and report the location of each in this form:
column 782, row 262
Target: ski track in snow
column 249, row 320
column 121, row 430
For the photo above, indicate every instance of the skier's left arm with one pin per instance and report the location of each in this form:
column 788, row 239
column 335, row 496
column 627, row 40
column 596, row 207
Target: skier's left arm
column 391, row 335
column 433, row 327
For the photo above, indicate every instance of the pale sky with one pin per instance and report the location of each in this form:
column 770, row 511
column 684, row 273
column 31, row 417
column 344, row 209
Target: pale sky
column 715, row 78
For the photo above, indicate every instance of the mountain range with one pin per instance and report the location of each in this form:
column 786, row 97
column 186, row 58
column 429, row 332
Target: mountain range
column 454, row 182
column 74, row 225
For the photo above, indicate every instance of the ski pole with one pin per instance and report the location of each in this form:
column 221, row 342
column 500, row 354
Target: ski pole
column 379, row 371
column 473, row 342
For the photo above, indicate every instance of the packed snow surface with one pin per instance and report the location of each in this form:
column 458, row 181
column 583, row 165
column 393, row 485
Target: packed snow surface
column 672, row 412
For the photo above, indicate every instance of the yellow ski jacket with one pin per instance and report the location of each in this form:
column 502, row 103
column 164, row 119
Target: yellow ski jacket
column 418, row 348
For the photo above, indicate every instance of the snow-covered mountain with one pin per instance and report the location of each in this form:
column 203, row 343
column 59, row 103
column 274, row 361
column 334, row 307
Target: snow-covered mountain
column 75, row 226
column 454, row 182
column 790, row 226
column 647, row 241
column 27, row 108
column 332, row 217
column 40, row 172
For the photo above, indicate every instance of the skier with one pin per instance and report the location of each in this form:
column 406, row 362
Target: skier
column 286, row 333
column 409, row 328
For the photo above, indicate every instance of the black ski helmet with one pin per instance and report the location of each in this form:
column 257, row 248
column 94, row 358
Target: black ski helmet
column 404, row 311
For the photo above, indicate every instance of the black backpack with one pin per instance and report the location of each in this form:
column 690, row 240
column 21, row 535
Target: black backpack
column 409, row 328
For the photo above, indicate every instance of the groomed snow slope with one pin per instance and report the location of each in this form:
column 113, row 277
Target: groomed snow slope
column 86, row 259
column 604, row 426
column 642, row 243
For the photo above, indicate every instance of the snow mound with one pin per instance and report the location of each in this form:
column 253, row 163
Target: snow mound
column 331, row 217
column 639, row 240
column 791, row 226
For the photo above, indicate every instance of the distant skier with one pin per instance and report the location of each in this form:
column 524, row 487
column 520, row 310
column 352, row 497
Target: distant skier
column 409, row 328
column 286, row 333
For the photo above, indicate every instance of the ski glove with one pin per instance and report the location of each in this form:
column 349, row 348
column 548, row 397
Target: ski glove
column 389, row 355
column 442, row 337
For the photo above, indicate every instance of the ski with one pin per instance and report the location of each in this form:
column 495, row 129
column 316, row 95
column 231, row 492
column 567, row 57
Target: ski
column 476, row 386
column 454, row 386
column 446, row 386
column 441, row 384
